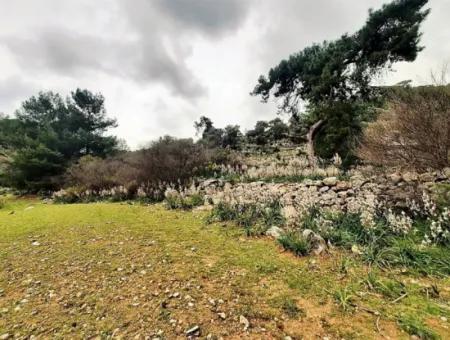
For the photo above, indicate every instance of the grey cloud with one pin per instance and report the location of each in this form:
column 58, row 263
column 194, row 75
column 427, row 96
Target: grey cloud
column 69, row 54
column 154, row 49
column 207, row 16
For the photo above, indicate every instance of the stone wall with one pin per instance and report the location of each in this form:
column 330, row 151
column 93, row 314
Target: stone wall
column 394, row 190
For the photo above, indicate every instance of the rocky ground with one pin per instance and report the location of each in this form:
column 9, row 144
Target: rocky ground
column 133, row 271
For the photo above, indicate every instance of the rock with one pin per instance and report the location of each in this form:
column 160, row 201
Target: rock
column 410, row 177
column 426, row 177
column 342, row 185
column 324, row 189
column 446, row 172
column 244, row 321
column 330, row 181
column 193, row 331
column 222, row 315
column 318, row 244
column 209, row 183
column 274, row 232
column 35, row 243
column 289, row 212
column 5, row 336
column 395, row 178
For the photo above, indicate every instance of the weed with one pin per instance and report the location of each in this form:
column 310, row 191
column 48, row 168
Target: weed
column 295, row 243
column 414, row 326
column 344, row 298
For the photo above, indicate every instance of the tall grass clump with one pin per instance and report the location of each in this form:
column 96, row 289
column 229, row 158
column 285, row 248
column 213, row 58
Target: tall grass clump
column 254, row 218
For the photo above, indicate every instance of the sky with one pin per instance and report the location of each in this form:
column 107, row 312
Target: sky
column 161, row 64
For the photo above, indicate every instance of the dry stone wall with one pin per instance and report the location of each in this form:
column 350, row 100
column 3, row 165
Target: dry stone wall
column 394, row 190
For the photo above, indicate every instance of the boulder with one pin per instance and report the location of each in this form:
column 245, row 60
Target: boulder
column 318, row 244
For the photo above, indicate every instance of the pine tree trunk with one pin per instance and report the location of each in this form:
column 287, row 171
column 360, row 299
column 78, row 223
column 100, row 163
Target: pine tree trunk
column 310, row 146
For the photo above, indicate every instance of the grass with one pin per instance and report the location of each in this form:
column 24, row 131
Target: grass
column 130, row 270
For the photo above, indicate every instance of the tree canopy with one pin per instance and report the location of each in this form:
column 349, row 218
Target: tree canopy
column 342, row 70
column 49, row 132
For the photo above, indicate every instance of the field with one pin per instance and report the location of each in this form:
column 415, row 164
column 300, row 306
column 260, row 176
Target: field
column 109, row 270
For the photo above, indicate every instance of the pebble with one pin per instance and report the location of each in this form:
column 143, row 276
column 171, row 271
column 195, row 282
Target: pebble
column 243, row 320
column 193, row 330
column 5, row 336
column 223, row 316
column 35, row 244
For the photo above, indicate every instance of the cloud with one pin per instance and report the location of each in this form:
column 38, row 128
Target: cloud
column 12, row 90
column 156, row 53
column 206, row 16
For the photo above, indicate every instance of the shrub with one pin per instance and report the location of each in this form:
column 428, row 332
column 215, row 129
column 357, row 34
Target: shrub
column 256, row 219
column 174, row 200
column 412, row 132
column 143, row 174
column 295, row 243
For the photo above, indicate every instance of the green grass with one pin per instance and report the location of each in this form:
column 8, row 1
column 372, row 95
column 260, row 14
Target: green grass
column 87, row 270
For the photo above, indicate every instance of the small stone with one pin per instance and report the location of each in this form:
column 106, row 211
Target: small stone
column 193, row 331
column 222, row 315
column 330, row 181
column 324, row 189
column 443, row 318
column 35, row 244
column 274, row 232
column 244, row 321
column 5, row 336
column 212, row 302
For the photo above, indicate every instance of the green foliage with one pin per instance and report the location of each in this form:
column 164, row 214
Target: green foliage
column 230, row 137
column 290, row 308
column 413, row 326
column 335, row 76
column 49, row 133
column 254, row 218
column 268, row 132
column 441, row 194
column 173, row 202
column 295, row 243
column 344, row 298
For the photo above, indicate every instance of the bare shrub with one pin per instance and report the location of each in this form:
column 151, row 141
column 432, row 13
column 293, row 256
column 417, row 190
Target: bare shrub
column 95, row 173
column 168, row 160
column 414, row 132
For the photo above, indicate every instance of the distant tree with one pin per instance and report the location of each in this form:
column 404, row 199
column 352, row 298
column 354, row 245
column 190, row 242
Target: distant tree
column 277, row 130
column 341, row 71
column 258, row 135
column 232, row 137
column 210, row 136
column 49, row 133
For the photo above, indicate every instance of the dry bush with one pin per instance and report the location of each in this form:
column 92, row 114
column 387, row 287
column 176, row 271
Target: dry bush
column 167, row 160
column 414, row 132
column 98, row 174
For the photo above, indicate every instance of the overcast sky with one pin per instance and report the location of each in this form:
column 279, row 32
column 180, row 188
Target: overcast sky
column 163, row 63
